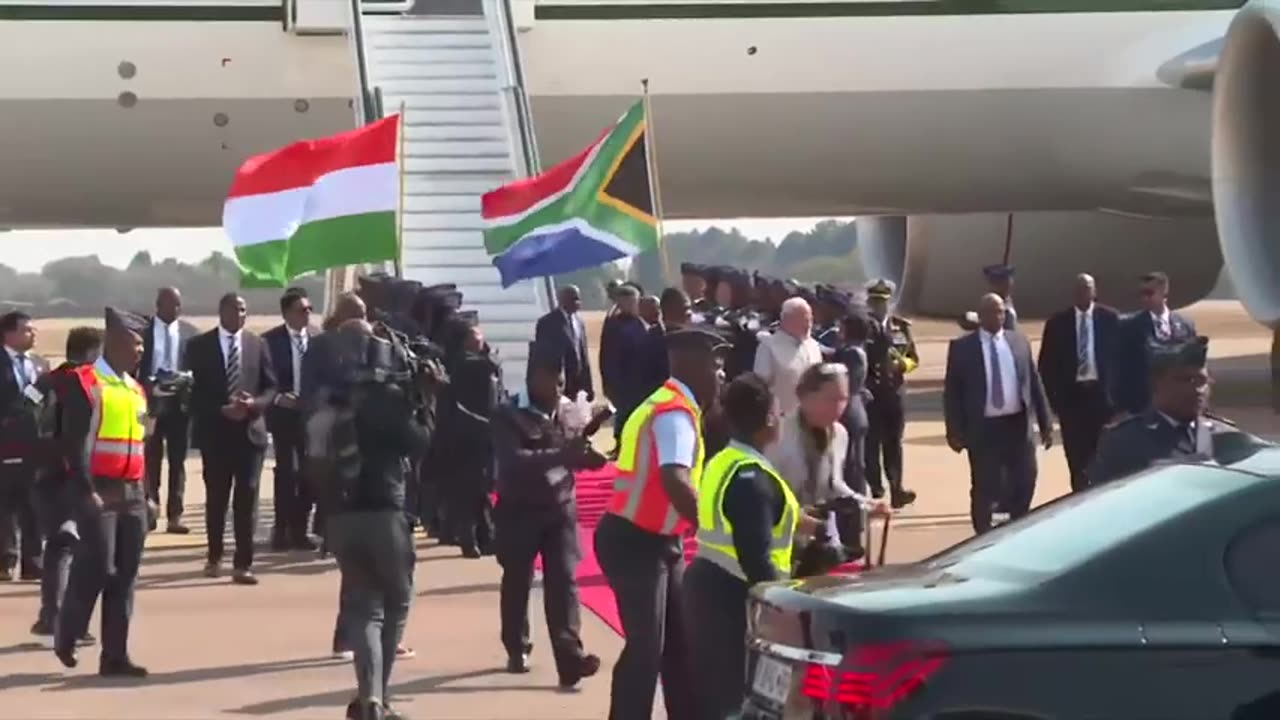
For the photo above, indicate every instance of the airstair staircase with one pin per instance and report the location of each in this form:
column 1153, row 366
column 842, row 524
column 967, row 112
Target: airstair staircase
column 456, row 78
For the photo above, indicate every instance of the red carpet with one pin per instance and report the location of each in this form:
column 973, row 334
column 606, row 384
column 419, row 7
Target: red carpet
column 594, row 487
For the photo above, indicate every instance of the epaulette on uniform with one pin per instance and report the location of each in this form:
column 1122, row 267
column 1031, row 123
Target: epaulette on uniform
column 902, row 320
column 1219, row 418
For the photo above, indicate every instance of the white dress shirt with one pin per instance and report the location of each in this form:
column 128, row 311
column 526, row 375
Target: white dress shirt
column 297, row 348
column 1162, row 323
column 24, row 371
column 1090, row 349
column 780, row 360
column 1008, row 378
column 159, row 330
column 230, row 340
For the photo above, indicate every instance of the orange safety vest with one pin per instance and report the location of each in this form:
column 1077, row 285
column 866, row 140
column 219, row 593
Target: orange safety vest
column 638, row 494
column 118, row 406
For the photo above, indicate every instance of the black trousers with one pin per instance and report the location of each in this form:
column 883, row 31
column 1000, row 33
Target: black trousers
column 293, row 500
column 524, row 533
column 231, row 474
column 1081, row 418
column 169, row 441
column 645, row 572
column 376, row 557
column 716, row 611
column 20, row 532
column 53, row 509
column 469, row 512
column 106, row 563
column 885, row 424
column 1002, row 469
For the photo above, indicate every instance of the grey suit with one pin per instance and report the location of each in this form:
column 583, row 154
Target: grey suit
column 1002, row 459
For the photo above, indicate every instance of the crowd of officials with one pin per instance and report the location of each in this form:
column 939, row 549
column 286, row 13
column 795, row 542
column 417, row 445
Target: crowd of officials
column 806, row 437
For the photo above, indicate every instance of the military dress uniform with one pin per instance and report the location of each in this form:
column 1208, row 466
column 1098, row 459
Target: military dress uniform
column 1148, row 438
column 891, row 354
column 103, row 430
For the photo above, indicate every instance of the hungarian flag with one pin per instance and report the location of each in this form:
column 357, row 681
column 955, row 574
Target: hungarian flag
column 591, row 209
column 316, row 204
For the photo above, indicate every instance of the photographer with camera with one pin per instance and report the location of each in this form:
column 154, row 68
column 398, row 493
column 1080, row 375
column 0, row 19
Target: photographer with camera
column 537, row 514
column 361, row 432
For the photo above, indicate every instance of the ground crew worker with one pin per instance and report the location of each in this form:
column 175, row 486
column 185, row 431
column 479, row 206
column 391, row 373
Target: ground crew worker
column 639, row 541
column 1176, row 426
column 891, row 354
column 748, row 519
column 102, row 444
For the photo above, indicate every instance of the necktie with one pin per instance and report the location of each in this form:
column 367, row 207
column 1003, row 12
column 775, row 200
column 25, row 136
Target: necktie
column 1162, row 327
column 23, row 375
column 300, row 344
column 997, row 387
column 233, row 366
column 166, row 360
column 1083, row 367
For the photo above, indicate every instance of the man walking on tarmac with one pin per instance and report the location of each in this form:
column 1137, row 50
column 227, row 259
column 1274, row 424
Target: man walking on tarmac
column 102, row 444
column 640, row 543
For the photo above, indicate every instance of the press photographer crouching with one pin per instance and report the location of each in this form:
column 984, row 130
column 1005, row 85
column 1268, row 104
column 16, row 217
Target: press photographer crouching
column 361, row 433
column 537, row 513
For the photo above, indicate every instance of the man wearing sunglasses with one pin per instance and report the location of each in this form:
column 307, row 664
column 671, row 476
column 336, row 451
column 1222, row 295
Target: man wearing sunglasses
column 288, row 343
column 1153, row 326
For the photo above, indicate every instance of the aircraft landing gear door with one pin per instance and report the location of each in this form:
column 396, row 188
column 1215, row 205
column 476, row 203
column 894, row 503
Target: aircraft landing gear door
column 319, row 17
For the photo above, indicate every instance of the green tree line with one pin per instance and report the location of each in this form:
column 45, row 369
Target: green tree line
column 81, row 286
column 826, row 253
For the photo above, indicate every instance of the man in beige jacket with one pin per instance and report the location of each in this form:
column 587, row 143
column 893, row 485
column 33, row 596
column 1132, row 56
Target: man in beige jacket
column 784, row 356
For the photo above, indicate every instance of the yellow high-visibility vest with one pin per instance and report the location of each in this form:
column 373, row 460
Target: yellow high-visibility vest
column 715, row 532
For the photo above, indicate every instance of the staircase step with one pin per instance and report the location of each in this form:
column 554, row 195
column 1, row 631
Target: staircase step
column 441, row 133
column 418, row 221
column 452, row 257
column 486, row 86
column 478, row 117
column 380, row 57
column 424, row 204
column 429, row 41
column 444, row 102
column 453, row 70
column 455, row 149
column 414, row 164
column 477, row 183
column 384, row 24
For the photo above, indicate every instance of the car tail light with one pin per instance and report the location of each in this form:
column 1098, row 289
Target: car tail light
column 875, row 677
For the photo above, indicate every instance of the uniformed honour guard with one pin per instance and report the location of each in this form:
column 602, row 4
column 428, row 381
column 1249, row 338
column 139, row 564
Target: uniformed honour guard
column 891, row 355
column 1176, row 425
column 1000, row 279
column 102, row 444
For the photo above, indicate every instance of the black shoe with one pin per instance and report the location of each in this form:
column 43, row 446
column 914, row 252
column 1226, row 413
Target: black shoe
column 279, row 541
column 389, row 714
column 470, row 551
column 6, row 574
column 518, row 664
column 302, row 543
column 365, row 710
column 87, row 640
column 902, row 498
column 587, row 666
column 121, row 668
column 175, row 527
column 66, row 656
column 244, row 577
column 877, row 492
column 42, row 628
column 854, row 551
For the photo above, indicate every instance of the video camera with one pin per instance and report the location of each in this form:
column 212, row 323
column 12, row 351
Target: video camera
column 169, row 390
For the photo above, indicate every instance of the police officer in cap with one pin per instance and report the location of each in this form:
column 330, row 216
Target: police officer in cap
column 830, row 310
column 740, row 322
column 891, row 354
column 104, row 460
column 1176, row 426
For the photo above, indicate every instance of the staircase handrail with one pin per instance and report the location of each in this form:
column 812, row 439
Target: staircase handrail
column 367, row 100
column 515, row 90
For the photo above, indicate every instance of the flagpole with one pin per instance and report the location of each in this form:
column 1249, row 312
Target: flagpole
column 655, row 192
column 399, row 262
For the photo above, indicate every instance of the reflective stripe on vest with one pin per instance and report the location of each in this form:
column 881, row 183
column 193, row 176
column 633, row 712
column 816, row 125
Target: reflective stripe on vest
column 638, row 493
column 715, row 532
column 118, row 406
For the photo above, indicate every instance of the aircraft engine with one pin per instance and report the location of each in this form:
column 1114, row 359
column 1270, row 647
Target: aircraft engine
column 937, row 260
column 1246, row 157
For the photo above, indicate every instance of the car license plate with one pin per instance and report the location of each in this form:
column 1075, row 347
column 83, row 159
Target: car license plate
column 772, row 680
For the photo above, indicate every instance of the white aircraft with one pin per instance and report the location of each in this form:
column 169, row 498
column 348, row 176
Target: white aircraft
column 1062, row 135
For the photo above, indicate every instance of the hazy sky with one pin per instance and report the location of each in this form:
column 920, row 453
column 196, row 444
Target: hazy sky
column 29, row 250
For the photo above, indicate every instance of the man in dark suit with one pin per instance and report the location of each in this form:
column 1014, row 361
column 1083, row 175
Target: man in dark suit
column 990, row 393
column 1075, row 363
column 1155, row 324
column 20, row 536
column 287, row 343
column 163, row 344
column 564, row 330
column 624, row 340
column 234, row 385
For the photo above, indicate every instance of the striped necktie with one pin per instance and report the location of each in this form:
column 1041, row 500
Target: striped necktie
column 233, row 366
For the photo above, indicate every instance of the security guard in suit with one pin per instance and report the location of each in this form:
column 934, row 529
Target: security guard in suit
column 102, row 439
column 891, row 355
column 1176, row 425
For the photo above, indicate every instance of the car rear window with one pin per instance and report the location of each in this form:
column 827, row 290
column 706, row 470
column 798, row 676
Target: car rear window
column 1078, row 527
